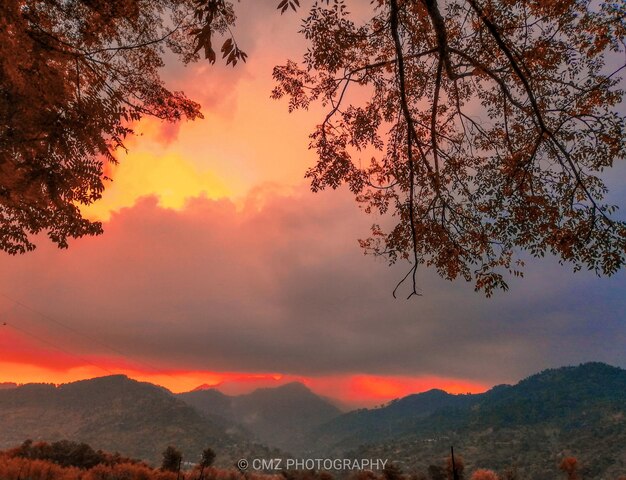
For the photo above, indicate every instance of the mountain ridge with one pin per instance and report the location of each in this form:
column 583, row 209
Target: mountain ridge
column 576, row 410
column 278, row 416
column 113, row 413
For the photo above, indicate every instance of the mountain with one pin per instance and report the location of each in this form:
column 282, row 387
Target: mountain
column 210, row 402
column 579, row 411
column 280, row 416
column 396, row 418
column 530, row 426
column 112, row 413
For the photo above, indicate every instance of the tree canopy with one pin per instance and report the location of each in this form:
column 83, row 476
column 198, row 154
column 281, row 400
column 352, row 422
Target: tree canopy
column 490, row 121
column 207, row 458
column 73, row 75
column 486, row 124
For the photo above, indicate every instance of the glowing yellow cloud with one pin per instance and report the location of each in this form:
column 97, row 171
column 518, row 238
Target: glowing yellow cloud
column 168, row 176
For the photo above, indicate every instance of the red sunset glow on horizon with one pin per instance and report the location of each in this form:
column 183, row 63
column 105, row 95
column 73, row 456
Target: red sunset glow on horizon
column 351, row 391
column 24, row 360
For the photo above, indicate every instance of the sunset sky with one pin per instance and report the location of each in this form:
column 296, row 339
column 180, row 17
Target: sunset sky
column 218, row 266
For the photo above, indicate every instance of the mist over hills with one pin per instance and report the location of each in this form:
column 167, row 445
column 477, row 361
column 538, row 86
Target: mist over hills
column 280, row 416
column 529, row 426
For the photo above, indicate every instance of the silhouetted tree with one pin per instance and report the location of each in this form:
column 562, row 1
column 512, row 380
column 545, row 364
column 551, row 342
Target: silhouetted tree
column 64, row 452
column 488, row 124
column 458, row 466
column 172, row 459
column 208, row 457
column 206, row 460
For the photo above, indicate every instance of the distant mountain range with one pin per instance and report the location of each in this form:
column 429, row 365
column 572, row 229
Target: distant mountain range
column 529, row 426
column 113, row 413
column 579, row 411
column 280, row 416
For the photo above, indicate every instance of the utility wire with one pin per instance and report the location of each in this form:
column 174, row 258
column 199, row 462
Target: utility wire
column 75, row 332
column 43, row 340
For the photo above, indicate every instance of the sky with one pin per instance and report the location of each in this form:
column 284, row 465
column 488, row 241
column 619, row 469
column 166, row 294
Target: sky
column 219, row 267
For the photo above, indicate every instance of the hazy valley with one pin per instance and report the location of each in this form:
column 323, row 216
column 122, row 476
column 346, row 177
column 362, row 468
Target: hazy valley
column 527, row 428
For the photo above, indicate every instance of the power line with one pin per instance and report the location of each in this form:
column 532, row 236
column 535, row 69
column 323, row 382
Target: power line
column 78, row 333
column 43, row 340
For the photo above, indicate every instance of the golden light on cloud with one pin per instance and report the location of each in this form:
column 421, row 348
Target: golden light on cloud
column 168, row 176
column 223, row 155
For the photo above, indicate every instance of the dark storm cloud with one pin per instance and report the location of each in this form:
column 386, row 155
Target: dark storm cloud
column 285, row 288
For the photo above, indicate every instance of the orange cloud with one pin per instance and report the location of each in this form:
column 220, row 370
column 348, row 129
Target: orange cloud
column 216, row 294
column 246, row 139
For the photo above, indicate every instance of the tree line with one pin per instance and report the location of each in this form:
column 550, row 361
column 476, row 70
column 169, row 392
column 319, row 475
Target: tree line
column 67, row 460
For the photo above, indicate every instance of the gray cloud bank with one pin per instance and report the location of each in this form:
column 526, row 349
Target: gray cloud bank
column 285, row 288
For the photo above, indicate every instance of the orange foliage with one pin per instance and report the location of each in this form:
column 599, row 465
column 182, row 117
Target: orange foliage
column 14, row 468
column 67, row 104
column 18, row 468
column 459, row 465
column 570, row 466
column 484, row 474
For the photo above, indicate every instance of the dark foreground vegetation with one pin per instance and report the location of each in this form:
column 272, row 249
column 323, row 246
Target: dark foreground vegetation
column 67, row 460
